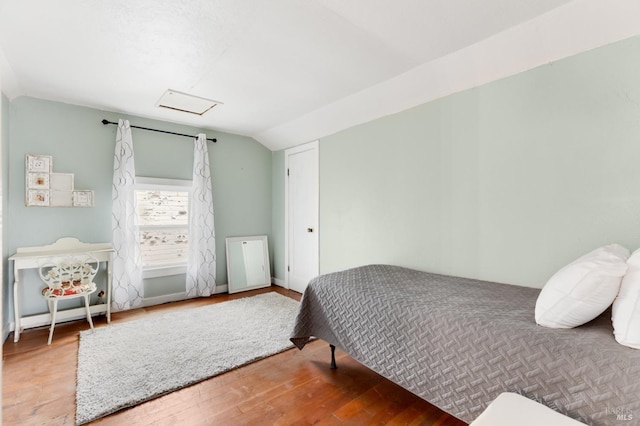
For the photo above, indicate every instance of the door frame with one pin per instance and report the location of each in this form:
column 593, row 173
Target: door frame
column 309, row 146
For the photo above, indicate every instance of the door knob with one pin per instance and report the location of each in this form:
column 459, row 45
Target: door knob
column 309, row 229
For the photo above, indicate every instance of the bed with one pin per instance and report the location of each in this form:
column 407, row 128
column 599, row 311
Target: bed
column 458, row 343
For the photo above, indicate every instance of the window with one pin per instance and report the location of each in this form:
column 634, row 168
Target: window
column 163, row 223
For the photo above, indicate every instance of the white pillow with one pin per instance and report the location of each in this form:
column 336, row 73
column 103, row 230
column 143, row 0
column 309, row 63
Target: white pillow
column 583, row 289
column 626, row 307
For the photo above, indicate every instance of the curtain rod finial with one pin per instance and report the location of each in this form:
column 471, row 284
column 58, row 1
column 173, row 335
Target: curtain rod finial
column 105, row 121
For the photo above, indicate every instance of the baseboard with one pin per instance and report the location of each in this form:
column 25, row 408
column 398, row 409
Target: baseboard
column 40, row 320
column 176, row 297
column 279, row 282
column 165, row 298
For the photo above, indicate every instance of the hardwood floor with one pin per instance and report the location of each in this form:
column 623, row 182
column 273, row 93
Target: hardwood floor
column 294, row 387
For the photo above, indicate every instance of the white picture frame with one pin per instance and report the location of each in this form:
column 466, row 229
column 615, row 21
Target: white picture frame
column 38, row 180
column 82, row 198
column 61, row 181
column 39, row 163
column 60, row 198
column 38, row 197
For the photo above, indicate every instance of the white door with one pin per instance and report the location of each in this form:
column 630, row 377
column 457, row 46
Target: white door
column 302, row 198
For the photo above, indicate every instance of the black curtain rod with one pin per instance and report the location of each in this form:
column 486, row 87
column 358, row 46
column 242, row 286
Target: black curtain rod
column 105, row 122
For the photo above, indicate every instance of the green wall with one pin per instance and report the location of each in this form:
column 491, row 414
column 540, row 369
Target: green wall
column 4, row 159
column 504, row 182
column 80, row 144
column 278, row 269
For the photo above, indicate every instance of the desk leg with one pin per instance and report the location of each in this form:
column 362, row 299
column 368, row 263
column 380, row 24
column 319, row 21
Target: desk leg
column 16, row 305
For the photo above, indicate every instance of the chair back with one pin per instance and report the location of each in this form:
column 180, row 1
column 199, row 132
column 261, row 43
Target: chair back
column 69, row 276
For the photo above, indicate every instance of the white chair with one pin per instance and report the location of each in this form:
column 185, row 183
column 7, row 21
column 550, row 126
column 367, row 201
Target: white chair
column 69, row 278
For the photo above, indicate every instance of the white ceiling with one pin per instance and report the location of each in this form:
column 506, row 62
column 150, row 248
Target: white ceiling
column 287, row 71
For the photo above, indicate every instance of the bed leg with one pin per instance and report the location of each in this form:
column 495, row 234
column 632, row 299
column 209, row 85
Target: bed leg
column 333, row 357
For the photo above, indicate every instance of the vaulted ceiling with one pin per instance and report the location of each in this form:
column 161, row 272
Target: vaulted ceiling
column 287, row 71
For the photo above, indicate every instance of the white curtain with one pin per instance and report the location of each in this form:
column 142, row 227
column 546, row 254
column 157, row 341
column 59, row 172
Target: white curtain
column 201, row 267
column 127, row 290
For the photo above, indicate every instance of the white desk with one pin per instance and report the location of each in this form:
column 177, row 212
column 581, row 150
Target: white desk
column 34, row 257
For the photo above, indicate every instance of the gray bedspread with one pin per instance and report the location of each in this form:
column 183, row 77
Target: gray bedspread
column 458, row 343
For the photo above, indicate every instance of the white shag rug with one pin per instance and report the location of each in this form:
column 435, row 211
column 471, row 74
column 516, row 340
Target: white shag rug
column 124, row 364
